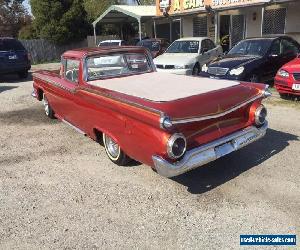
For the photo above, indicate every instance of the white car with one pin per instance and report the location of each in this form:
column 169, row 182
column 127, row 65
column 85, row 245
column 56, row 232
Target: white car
column 186, row 56
column 111, row 43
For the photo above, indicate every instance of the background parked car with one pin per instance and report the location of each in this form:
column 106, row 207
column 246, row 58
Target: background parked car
column 254, row 59
column 157, row 46
column 14, row 58
column 107, row 43
column 287, row 80
column 185, row 56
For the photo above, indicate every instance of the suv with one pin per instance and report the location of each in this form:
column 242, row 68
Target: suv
column 13, row 58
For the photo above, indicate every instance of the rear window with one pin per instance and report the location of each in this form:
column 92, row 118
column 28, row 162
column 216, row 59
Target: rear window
column 10, row 44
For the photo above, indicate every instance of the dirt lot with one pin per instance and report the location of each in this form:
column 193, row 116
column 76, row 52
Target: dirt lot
column 59, row 190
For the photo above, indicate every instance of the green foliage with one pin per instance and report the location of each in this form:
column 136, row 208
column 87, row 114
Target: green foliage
column 12, row 16
column 60, row 21
column 95, row 8
column 27, row 32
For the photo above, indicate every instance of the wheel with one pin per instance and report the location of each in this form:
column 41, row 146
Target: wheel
column 254, row 78
column 48, row 110
column 23, row 75
column 114, row 152
column 196, row 70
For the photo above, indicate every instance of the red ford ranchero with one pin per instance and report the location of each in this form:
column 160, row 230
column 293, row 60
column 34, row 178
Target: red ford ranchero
column 172, row 123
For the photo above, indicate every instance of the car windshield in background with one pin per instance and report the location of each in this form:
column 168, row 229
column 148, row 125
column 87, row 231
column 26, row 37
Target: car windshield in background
column 251, row 47
column 10, row 44
column 109, row 44
column 102, row 66
column 151, row 45
column 184, row 47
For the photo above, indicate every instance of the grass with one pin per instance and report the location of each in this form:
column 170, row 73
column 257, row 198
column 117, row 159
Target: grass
column 276, row 100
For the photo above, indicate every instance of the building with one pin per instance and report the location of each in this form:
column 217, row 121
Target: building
column 234, row 19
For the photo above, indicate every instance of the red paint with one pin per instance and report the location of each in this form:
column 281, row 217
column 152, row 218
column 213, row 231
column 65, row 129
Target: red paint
column 134, row 122
column 284, row 85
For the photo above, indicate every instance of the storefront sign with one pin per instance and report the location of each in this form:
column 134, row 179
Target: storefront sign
column 181, row 6
column 178, row 6
column 228, row 3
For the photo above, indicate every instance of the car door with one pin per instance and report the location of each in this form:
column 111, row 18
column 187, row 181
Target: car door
column 271, row 61
column 204, row 52
column 212, row 49
column 61, row 97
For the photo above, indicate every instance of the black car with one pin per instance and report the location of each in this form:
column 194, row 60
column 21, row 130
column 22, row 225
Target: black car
column 13, row 58
column 253, row 59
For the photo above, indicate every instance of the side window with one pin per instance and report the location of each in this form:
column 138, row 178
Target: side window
column 72, row 70
column 288, row 47
column 204, row 46
column 211, row 44
column 275, row 49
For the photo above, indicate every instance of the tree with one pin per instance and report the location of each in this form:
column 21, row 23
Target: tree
column 12, row 17
column 60, row 21
column 95, row 8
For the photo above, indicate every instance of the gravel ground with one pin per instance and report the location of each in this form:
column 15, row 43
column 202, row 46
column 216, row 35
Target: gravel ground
column 58, row 190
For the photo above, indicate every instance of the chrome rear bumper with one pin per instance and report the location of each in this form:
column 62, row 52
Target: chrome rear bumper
column 209, row 152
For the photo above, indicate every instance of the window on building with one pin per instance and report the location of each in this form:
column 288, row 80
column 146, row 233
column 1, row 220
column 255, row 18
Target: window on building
column 237, row 29
column 274, row 21
column 200, row 26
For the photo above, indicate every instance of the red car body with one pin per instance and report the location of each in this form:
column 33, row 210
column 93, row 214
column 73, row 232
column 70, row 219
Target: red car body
column 287, row 80
column 213, row 123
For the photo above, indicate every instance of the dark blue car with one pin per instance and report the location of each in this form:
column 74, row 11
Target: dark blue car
column 14, row 58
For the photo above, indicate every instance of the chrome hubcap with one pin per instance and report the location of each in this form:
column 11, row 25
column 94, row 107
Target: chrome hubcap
column 112, row 147
column 46, row 105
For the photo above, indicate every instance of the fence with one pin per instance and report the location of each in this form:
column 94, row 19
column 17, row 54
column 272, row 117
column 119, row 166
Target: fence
column 45, row 51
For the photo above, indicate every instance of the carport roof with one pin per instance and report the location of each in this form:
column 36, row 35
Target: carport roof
column 117, row 13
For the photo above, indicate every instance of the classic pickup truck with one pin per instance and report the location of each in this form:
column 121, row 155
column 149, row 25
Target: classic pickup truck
column 171, row 122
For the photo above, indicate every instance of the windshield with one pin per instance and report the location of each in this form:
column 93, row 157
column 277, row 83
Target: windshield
column 103, row 66
column 151, row 45
column 184, row 47
column 251, row 47
column 10, row 44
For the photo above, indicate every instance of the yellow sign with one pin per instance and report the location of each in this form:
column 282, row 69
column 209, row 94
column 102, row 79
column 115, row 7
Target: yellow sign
column 182, row 6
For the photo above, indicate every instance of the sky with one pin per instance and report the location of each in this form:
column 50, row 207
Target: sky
column 27, row 6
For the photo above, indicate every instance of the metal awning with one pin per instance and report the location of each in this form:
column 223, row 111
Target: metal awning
column 126, row 13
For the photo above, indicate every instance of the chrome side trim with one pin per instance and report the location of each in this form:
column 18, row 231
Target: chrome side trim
column 74, row 127
column 208, row 117
column 57, row 84
column 266, row 92
column 209, row 152
column 33, row 94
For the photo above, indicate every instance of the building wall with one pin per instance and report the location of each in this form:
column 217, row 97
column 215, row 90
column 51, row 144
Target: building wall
column 187, row 26
column 253, row 21
column 292, row 27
